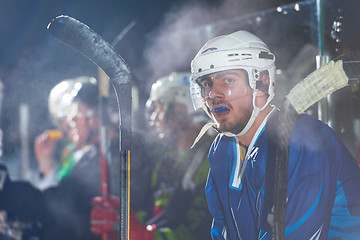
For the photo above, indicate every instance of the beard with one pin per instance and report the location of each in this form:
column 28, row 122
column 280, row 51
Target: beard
column 237, row 125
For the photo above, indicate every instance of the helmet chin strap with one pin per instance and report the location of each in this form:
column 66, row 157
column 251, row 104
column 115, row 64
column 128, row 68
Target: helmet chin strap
column 255, row 112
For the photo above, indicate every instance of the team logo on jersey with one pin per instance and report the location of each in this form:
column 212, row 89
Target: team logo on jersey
column 252, row 156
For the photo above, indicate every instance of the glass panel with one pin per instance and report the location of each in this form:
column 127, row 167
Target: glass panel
column 295, row 34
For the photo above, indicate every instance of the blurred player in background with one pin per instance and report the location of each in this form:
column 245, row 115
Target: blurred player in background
column 64, row 210
column 179, row 172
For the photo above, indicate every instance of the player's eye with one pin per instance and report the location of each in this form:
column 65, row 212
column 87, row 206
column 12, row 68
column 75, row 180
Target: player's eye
column 206, row 83
column 228, row 80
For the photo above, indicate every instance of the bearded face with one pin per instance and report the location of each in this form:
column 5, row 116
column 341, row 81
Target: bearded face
column 229, row 98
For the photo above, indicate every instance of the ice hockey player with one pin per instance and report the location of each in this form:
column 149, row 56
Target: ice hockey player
column 179, row 175
column 234, row 79
column 63, row 211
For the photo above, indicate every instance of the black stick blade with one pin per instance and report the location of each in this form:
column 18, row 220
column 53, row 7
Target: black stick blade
column 82, row 38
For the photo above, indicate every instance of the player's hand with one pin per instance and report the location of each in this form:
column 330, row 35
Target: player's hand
column 44, row 148
column 140, row 231
column 105, row 220
column 105, row 216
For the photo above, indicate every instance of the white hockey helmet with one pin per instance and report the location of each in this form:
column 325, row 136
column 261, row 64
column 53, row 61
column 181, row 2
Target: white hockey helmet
column 64, row 93
column 170, row 89
column 239, row 50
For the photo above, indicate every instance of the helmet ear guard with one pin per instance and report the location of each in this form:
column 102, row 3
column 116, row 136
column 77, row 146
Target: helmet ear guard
column 263, row 83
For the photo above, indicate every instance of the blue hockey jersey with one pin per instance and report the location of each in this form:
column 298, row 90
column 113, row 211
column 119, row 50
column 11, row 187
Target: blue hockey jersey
column 323, row 198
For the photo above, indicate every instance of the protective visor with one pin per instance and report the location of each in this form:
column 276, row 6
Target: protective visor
column 225, row 86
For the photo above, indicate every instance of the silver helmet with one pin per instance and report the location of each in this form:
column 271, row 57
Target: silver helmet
column 64, row 93
column 173, row 89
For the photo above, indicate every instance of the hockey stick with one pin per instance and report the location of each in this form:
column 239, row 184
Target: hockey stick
column 80, row 37
column 322, row 82
column 104, row 88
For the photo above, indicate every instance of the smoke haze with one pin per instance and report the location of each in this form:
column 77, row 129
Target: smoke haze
column 185, row 29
